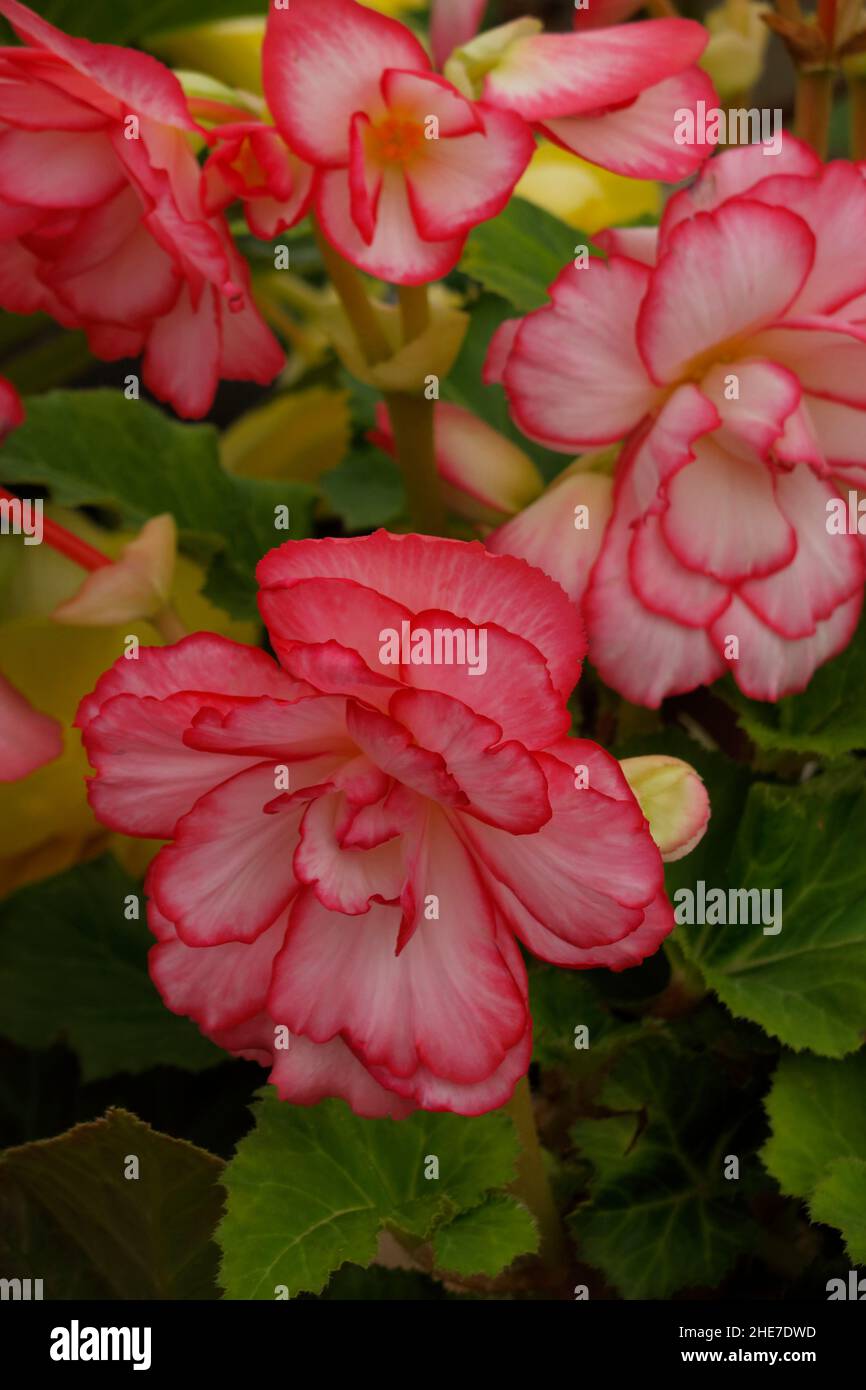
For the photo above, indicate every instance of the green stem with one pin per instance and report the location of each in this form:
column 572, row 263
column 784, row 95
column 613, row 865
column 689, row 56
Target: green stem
column 368, row 331
column 532, row 1185
column 814, row 103
column 411, row 415
column 414, row 311
column 685, row 988
column 412, row 423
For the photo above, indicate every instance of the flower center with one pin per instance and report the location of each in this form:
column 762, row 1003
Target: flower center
column 396, row 139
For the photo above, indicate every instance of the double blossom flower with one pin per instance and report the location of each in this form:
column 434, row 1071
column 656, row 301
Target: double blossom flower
column 355, row 847
column 727, row 350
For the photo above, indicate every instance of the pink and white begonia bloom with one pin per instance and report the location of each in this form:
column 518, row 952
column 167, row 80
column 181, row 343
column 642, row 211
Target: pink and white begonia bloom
column 252, row 162
column 407, row 165
column 610, row 95
column 729, row 354
column 101, row 223
column 358, row 838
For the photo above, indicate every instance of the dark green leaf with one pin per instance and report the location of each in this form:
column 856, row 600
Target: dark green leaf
column 805, row 984
column 564, row 1002
column 97, row 448
column 108, row 22
column 662, row 1216
column 72, row 966
column 71, row 1216
column 840, row 1200
column 818, row 1141
column 817, row 1115
column 365, row 491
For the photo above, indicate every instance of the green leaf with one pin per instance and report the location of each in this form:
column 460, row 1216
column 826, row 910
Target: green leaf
column 807, row 984
column 365, row 491
column 310, row 1189
column 563, row 1001
column 107, row 22
column 95, row 448
column 70, row 1215
column 662, row 1216
column 817, row 1115
column 828, row 718
column 72, row 966
column 840, row 1200
column 818, row 1120
column 486, row 1239
column 520, row 253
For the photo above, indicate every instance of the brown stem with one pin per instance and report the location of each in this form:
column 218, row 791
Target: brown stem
column 814, row 103
column 857, row 117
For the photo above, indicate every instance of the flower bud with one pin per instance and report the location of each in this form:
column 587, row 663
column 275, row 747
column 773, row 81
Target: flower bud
column 137, row 585
column 674, row 800
column 734, row 56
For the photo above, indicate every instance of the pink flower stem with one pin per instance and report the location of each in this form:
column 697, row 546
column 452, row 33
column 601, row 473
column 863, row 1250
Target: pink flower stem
column 411, row 415
column 532, row 1186
column 66, row 543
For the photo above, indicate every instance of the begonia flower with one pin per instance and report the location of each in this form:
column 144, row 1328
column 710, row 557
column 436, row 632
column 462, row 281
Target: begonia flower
column 728, row 351
column 359, row 833
column 101, row 224
column 608, row 94
column 407, row 165
column 252, row 162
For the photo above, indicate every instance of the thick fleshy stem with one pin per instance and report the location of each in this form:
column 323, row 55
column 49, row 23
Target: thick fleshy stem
column 685, row 989
column 813, row 106
column 369, row 333
column 411, row 414
column 413, row 423
column 532, row 1186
